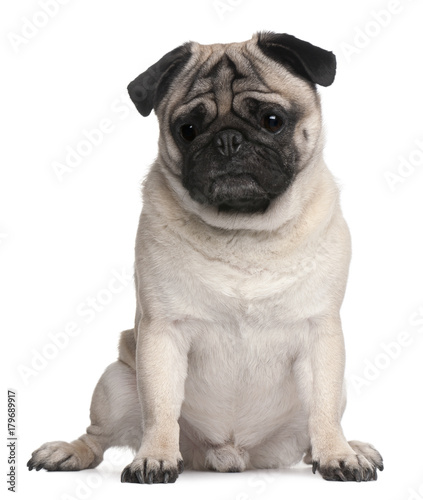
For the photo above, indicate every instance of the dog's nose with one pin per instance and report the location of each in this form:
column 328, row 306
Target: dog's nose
column 228, row 142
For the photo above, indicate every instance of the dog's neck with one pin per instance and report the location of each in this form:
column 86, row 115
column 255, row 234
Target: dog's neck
column 310, row 200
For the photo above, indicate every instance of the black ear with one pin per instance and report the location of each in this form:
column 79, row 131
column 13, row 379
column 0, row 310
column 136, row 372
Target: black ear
column 147, row 90
column 313, row 63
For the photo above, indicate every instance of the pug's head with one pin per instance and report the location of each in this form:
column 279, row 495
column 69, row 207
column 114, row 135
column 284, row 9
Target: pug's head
column 238, row 121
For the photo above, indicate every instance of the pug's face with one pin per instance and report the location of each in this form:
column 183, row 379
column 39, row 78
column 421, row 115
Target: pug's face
column 238, row 121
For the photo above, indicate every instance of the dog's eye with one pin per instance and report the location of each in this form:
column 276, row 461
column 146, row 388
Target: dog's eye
column 188, row 132
column 272, row 123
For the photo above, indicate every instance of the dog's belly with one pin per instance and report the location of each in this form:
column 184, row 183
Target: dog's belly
column 240, row 386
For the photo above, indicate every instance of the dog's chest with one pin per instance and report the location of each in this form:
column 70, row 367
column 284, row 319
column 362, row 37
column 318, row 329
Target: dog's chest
column 240, row 382
column 246, row 338
column 245, row 309
column 246, row 289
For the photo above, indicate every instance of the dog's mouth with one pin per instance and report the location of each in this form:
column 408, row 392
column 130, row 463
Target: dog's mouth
column 229, row 192
column 246, row 182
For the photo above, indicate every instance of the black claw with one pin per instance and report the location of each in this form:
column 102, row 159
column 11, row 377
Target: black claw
column 338, row 473
column 146, row 476
column 333, row 474
column 180, row 466
column 357, row 475
column 39, row 467
column 344, row 472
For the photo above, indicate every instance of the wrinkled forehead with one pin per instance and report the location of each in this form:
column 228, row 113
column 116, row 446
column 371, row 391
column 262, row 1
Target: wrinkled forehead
column 227, row 73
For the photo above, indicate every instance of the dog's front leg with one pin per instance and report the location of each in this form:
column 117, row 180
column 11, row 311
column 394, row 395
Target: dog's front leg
column 323, row 395
column 161, row 365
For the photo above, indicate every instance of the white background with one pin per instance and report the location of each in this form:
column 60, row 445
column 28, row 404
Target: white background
column 61, row 240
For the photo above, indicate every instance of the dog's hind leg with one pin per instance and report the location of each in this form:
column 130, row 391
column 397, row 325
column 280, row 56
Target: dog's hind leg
column 115, row 421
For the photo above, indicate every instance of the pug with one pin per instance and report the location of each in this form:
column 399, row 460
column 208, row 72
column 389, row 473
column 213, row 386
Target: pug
column 236, row 360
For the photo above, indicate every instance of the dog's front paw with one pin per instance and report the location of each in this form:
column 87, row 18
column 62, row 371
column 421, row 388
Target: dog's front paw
column 349, row 466
column 149, row 470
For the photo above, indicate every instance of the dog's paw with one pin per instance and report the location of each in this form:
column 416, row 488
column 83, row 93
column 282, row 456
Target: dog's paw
column 149, row 470
column 226, row 458
column 62, row 456
column 360, row 465
column 368, row 451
